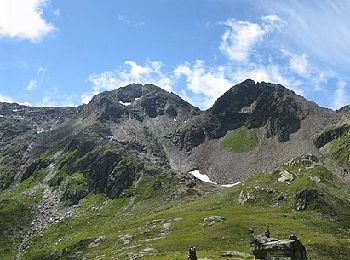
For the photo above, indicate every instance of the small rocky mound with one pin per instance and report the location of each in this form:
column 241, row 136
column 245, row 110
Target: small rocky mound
column 209, row 221
column 306, row 160
column 285, row 177
column 263, row 247
column 304, row 197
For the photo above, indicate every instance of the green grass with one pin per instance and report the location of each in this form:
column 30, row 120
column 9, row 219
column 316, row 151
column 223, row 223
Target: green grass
column 340, row 150
column 324, row 227
column 16, row 213
column 240, row 140
column 324, row 236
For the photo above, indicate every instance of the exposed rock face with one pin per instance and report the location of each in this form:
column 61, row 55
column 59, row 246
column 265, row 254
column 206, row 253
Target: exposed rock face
column 330, row 135
column 24, row 134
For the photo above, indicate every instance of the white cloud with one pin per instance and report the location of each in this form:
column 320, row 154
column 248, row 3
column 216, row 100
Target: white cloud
column 241, row 36
column 211, row 83
column 128, row 20
column 10, row 100
column 271, row 73
column 6, row 99
column 131, row 72
column 41, row 70
column 32, row 85
column 319, row 28
column 272, row 18
column 57, row 12
column 298, row 63
column 86, row 97
column 25, row 103
column 340, row 97
column 23, row 19
column 47, row 101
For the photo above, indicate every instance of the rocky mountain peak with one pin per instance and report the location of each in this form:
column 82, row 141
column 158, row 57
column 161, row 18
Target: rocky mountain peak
column 254, row 105
column 139, row 101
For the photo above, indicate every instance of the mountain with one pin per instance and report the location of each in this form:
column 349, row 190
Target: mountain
column 125, row 160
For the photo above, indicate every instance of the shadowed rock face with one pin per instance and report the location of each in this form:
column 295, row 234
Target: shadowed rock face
column 26, row 132
column 260, row 104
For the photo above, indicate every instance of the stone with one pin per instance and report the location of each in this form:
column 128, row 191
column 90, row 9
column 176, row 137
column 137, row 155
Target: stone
column 177, row 219
column 146, row 252
column 97, row 241
column 125, row 239
column 265, row 248
column 209, row 221
column 315, row 179
column 166, row 228
column 285, row 177
column 245, row 197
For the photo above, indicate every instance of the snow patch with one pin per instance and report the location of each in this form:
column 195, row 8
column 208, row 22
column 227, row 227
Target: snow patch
column 40, row 130
column 15, row 110
column 137, row 98
column 125, row 103
column 1, row 115
column 202, row 177
column 230, row 185
column 175, row 119
column 205, row 178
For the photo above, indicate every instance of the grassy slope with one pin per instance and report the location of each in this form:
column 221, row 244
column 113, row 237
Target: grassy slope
column 326, row 236
column 340, row 150
column 240, row 140
column 16, row 213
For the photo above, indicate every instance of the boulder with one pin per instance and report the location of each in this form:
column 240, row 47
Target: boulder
column 209, row 221
column 125, row 239
column 286, row 177
column 97, row 241
column 166, row 228
column 245, row 197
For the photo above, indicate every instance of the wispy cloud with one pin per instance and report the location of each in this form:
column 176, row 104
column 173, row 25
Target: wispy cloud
column 297, row 63
column 240, row 37
column 6, row 99
column 319, row 28
column 270, row 73
column 129, row 21
column 211, row 83
column 24, row 19
column 57, row 12
column 32, row 85
column 131, row 72
column 340, row 97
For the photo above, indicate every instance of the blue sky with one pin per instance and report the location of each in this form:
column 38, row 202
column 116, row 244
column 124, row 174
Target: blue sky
column 60, row 53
